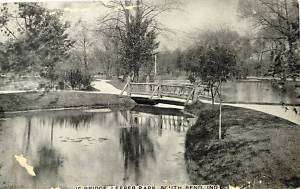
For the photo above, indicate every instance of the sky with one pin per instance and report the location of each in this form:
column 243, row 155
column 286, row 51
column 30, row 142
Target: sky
column 200, row 15
column 193, row 15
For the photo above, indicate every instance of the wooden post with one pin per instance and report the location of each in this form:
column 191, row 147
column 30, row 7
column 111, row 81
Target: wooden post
column 156, row 88
column 220, row 115
column 159, row 88
column 189, row 96
column 155, row 66
column 129, row 85
column 196, row 92
column 125, row 87
column 147, row 85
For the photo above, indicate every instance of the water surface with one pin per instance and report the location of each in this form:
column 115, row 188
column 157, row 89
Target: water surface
column 261, row 92
column 94, row 147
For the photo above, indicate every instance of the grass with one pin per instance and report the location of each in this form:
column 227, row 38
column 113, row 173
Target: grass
column 256, row 148
column 59, row 99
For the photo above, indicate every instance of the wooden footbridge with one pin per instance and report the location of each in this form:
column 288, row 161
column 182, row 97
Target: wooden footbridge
column 158, row 92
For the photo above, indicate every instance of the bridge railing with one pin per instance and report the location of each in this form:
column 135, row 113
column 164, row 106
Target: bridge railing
column 159, row 90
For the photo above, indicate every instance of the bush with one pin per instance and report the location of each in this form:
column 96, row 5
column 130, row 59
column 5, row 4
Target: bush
column 78, row 80
column 192, row 78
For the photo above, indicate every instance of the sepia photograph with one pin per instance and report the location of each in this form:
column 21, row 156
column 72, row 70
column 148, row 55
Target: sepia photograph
column 149, row 94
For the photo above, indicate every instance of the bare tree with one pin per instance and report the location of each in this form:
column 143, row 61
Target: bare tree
column 83, row 44
column 106, row 54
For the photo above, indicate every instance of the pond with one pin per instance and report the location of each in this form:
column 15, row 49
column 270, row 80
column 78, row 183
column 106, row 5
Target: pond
column 68, row 148
column 261, row 92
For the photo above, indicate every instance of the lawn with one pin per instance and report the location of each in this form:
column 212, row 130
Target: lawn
column 59, row 99
column 256, row 149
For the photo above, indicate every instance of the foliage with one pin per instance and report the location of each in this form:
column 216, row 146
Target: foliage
column 240, row 45
column 277, row 23
column 135, row 27
column 169, row 62
column 211, row 65
column 36, row 38
column 78, row 80
column 82, row 38
column 107, row 55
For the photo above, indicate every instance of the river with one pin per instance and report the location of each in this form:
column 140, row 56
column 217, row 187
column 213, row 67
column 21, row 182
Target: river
column 68, row 148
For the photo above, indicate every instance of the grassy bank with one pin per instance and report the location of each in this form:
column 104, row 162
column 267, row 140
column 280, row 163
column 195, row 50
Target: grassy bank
column 257, row 149
column 59, row 99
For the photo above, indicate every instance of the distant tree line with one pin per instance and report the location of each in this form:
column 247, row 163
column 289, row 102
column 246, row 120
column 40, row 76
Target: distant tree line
column 271, row 49
column 124, row 41
column 277, row 36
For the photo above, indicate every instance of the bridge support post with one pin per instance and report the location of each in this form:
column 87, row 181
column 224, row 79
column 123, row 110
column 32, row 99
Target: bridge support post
column 190, row 96
column 159, row 88
column 129, row 85
column 195, row 94
column 148, row 85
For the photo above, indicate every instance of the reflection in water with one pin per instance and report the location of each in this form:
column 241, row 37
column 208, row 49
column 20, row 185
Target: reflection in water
column 69, row 148
column 137, row 148
column 76, row 121
column 47, row 167
column 28, row 134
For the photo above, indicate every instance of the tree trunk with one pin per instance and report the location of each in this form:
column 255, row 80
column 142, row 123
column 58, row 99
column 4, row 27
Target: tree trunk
column 220, row 113
column 136, row 75
column 212, row 96
column 85, row 55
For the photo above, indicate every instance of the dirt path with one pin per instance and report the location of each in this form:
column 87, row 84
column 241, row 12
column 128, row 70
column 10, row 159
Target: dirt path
column 276, row 110
column 104, row 87
column 289, row 113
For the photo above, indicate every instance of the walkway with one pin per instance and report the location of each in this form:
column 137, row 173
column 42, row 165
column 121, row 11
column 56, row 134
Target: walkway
column 287, row 113
column 104, row 87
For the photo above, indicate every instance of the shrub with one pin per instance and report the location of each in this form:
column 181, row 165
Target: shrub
column 78, row 80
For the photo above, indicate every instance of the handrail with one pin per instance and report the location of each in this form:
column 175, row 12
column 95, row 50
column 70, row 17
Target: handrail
column 158, row 89
column 168, row 85
column 143, row 83
column 124, row 88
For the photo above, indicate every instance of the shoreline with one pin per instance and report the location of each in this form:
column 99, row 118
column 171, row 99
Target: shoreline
column 39, row 101
column 257, row 149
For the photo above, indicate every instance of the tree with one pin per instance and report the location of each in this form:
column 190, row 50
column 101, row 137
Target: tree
column 134, row 23
column 82, row 37
column 277, row 22
column 241, row 45
column 107, row 55
column 36, row 38
column 212, row 65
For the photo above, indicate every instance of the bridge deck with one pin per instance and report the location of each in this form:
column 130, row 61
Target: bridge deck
column 146, row 99
column 158, row 98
